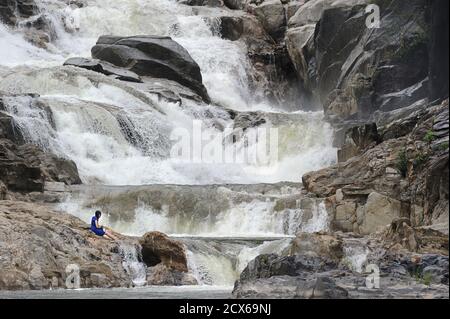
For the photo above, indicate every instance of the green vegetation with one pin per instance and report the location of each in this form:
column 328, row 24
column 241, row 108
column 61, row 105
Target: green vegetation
column 443, row 146
column 420, row 160
column 429, row 137
column 427, row 279
column 402, row 163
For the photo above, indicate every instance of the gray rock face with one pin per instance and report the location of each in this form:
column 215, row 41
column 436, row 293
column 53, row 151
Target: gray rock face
column 356, row 71
column 357, row 140
column 403, row 176
column 438, row 72
column 273, row 17
column 153, row 56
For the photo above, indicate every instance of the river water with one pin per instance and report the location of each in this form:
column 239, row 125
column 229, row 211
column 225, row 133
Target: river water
column 200, row 201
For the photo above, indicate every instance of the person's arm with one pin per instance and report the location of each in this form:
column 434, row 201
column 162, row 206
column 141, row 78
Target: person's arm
column 96, row 224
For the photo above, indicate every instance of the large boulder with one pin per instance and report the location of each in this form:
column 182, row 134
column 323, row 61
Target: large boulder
column 158, row 248
column 152, row 56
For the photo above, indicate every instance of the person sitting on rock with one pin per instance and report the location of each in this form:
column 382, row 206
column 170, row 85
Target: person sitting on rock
column 100, row 230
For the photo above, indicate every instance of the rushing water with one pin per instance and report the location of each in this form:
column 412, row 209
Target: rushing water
column 120, row 134
column 88, row 108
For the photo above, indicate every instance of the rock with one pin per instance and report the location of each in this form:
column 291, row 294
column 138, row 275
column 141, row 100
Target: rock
column 422, row 240
column 231, row 28
column 350, row 90
column 311, row 11
column 300, row 46
column 326, row 246
column 25, row 168
column 435, row 274
column 152, row 56
column 379, row 212
column 158, row 248
column 235, row 4
column 267, row 266
column 273, row 17
column 8, row 129
column 208, row 3
column 161, row 275
column 416, row 179
column 357, row 140
column 105, row 68
column 12, row 10
column 322, row 288
column 37, row 244
column 345, row 216
column 438, row 68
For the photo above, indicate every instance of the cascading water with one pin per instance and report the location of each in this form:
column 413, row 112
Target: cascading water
column 132, row 264
column 118, row 133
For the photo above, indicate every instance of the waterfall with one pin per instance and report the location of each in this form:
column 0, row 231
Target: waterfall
column 132, row 264
column 119, row 133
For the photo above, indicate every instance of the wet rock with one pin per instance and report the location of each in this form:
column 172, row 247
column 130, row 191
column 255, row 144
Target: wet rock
column 231, row 28
column 152, row 56
column 25, row 168
column 11, row 10
column 208, row 3
column 158, row 248
column 161, row 275
column 105, row 68
column 235, row 4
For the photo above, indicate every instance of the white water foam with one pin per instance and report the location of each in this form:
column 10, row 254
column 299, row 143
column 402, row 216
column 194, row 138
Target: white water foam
column 132, row 264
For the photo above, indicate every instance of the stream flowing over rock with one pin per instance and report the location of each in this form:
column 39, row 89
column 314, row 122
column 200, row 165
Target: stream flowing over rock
column 272, row 148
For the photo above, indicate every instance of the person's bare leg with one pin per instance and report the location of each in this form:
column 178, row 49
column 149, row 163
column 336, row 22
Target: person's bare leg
column 110, row 235
column 107, row 236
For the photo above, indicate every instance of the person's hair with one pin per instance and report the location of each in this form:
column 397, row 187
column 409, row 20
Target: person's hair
column 98, row 214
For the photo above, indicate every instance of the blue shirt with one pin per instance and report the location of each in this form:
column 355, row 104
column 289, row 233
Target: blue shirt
column 94, row 224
